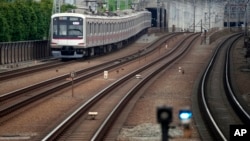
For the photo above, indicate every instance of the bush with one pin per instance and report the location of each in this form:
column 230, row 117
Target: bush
column 24, row 20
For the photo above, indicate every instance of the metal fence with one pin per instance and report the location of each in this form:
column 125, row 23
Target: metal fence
column 13, row 52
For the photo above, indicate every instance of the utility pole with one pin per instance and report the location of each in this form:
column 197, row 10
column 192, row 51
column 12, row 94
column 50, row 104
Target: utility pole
column 56, row 6
column 246, row 18
column 158, row 13
column 126, row 4
column 118, row 5
column 194, row 16
column 107, row 5
column 209, row 14
column 162, row 15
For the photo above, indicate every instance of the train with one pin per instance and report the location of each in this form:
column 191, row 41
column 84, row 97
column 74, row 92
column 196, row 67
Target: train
column 234, row 15
column 76, row 35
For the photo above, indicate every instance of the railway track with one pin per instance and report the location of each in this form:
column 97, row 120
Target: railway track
column 218, row 102
column 15, row 100
column 28, row 70
column 7, row 75
column 110, row 101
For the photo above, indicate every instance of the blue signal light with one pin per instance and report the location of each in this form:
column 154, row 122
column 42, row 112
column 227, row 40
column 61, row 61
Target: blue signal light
column 185, row 114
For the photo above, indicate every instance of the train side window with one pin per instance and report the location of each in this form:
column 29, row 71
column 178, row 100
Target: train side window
column 88, row 28
column 117, row 27
column 109, row 27
column 93, row 28
column 105, row 27
column 96, row 28
column 120, row 26
column 99, row 28
column 112, row 27
column 131, row 24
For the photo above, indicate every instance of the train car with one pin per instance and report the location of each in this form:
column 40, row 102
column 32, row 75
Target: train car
column 234, row 14
column 77, row 35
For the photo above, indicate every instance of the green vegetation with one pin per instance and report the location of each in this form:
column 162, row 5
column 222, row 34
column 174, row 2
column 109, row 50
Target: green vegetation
column 67, row 7
column 24, row 20
column 113, row 4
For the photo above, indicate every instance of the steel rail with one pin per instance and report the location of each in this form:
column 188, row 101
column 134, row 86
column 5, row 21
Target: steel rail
column 103, row 129
column 245, row 117
column 202, row 98
column 125, row 59
column 24, row 71
column 107, row 65
column 83, row 108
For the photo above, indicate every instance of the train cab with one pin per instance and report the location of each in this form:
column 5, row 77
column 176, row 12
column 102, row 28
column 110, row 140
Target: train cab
column 68, row 35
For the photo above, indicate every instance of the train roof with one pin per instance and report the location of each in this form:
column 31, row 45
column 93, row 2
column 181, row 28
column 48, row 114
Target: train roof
column 99, row 16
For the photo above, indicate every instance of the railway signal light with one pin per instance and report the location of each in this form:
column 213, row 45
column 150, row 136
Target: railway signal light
column 185, row 116
column 164, row 117
column 164, row 114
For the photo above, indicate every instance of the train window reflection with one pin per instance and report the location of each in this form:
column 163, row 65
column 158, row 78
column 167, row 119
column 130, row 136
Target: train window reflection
column 62, row 30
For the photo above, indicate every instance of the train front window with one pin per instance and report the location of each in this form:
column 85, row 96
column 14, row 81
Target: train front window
column 67, row 27
column 75, row 30
column 62, row 30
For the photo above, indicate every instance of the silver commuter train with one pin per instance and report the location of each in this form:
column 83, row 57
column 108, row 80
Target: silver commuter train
column 77, row 35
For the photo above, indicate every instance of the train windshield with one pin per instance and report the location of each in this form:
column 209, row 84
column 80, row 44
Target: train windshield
column 68, row 27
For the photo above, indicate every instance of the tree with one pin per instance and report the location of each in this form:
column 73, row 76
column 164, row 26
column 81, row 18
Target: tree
column 33, row 28
column 40, row 23
column 28, row 20
column 25, row 19
column 17, row 28
column 46, row 7
column 4, row 29
column 7, row 14
column 67, row 7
